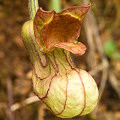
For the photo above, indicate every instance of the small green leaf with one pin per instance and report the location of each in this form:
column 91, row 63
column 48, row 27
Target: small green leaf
column 109, row 48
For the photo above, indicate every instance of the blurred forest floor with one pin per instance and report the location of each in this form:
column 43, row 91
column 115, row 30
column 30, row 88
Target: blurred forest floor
column 16, row 69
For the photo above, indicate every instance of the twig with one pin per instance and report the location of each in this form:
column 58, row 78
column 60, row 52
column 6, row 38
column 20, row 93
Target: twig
column 102, row 86
column 89, row 35
column 29, row 100
column 10, row 98
column 97, row 69
column 114, row 82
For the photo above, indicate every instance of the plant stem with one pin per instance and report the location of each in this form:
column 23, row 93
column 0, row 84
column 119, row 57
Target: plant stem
column 55, row 5
column 33, row 7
